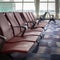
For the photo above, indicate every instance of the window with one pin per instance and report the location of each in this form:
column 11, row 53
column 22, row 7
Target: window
column 43, row 0
column 29, row 0
column 4, row 0
column 6, row 7
column 24, row 5
column 18, row 6
column 29, row 7
column 43, row 8
column 47, row 6
column 52, row 0
column 51, row 7
column 17, row 0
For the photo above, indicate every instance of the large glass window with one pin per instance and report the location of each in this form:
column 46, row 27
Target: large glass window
column 51, row 8
column 29, row 7
column 47, row 6
column 52, row 0
column 43, row 8
column 6, row 7
column 24, row 5
column 29, row 0
column 43, row 0
column 17, row 0
column 6, row 0
column 18, row 6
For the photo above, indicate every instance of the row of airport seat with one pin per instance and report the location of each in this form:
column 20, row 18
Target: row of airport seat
column 19, row 31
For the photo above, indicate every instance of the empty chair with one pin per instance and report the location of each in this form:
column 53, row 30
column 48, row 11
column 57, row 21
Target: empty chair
column 26, row 19
column 21, row 47
column 8, row 32
column 8, row 48
column 22, row 23
column 39, row 23
column 10, row 17
column 31, row 21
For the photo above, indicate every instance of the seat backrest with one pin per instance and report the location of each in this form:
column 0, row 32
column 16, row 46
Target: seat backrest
column 5, row 27
column 25, row 16
column 32, row 15
column 2, row 42
column 28, row 15
column 13, row 22
column 18, row 18
column 1, row 33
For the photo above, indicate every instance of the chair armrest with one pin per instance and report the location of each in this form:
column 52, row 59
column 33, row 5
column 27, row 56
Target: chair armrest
column 25, row 25
column 2, row 41
column 33, row 24
column 39, row 20
column 3, row 37
column 22, row 31
column 30, row 21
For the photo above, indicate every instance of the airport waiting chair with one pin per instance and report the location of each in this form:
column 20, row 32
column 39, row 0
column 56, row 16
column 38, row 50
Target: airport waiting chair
column 8, row 48
column 14, row 23
column 34, row 18
column 7, row 34
column 33, row 23
column 26, row 20
column 22, row 23
column 38, row 23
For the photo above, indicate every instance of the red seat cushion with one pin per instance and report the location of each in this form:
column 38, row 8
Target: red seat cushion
column 26, row 38
column 41, row 24
column 17, row 47
column 33, row 33
column 37, row 29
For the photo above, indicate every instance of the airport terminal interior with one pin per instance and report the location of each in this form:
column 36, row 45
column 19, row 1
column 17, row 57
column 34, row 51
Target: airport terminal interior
column 29, row 29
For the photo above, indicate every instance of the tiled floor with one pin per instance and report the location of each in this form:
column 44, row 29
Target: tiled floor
column 50, row 44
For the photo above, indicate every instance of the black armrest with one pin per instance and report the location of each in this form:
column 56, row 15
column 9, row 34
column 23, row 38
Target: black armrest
column 39, row 20
column 30, row 21
column 2, row 37
column 16, row 26
column 33, row 24
column 23, row 31
column 2, row 41
column 25, row 25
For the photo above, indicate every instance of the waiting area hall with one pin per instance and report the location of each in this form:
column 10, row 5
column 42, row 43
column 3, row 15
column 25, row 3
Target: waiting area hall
column 29, row 29
column 48, row 47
